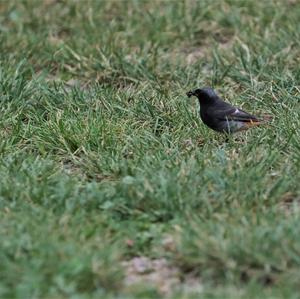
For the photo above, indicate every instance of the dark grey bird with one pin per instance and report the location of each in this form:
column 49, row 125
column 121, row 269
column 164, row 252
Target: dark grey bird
column 221, row 116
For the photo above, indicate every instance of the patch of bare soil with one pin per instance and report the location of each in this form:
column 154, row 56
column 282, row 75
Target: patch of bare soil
column 158, row 274
column 193, row 54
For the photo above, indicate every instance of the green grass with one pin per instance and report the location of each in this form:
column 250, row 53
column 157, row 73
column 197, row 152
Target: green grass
column 100, row 145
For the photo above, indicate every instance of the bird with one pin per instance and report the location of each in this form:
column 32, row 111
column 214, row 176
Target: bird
column 221, row 116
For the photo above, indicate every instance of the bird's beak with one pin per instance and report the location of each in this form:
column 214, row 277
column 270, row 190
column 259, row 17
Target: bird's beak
column 190, row 93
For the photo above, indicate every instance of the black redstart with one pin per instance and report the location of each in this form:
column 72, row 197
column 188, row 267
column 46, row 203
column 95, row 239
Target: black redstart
column 221, row 116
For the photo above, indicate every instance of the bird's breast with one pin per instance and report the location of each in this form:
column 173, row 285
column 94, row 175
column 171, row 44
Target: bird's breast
column 209, row 120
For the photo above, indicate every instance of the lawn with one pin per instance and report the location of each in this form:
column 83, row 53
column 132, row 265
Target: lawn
column 111, row 186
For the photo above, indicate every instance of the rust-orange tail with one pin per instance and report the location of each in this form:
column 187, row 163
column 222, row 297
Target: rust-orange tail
column 253, row 123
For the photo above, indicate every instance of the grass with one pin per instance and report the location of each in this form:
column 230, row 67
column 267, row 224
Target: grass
column 103, row 157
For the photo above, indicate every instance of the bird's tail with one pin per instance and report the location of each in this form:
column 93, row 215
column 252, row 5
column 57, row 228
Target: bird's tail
column 265, row 119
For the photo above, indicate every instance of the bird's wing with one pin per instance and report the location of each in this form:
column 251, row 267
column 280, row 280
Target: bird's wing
column 235, row 114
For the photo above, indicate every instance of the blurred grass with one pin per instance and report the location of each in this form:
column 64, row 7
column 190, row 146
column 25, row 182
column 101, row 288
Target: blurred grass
column 99, row 145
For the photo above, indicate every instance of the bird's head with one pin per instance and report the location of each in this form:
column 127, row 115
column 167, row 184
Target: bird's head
column 205, row 95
